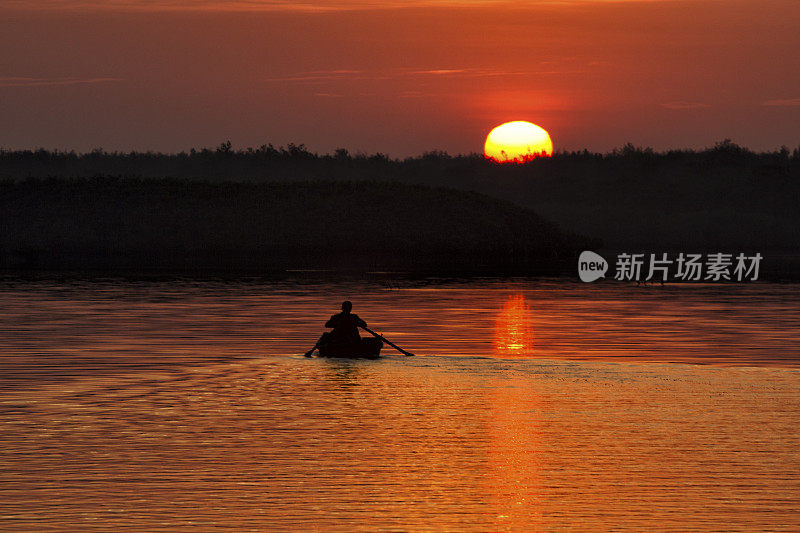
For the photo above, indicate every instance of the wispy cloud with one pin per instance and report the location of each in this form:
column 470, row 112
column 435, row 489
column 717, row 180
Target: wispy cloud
column 321, row 75
column 789, row 102
column 220, row 5
column 276, row 5
column 16, row 81
column 393, row 74
column 683, row 105
column 441, row 72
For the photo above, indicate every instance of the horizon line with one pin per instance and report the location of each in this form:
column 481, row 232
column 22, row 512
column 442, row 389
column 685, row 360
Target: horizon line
column 298, row 149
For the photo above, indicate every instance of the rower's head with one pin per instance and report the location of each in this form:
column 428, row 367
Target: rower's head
column 347, row 306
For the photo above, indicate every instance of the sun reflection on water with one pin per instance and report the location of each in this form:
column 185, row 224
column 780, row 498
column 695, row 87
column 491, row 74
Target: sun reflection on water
column 513, row 329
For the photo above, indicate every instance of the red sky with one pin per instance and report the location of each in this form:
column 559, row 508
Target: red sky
column 397, row 77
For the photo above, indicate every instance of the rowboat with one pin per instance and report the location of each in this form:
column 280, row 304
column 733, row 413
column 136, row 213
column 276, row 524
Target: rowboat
column 365, row 349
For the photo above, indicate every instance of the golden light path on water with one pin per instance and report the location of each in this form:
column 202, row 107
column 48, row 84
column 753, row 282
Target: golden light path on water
column 187, row 406
column 513, row 330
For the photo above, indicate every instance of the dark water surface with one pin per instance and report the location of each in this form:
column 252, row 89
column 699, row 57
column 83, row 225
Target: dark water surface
column 532, row 405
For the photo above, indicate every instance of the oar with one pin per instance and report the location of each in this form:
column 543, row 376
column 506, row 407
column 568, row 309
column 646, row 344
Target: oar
column 308, row 353
column 384, row 339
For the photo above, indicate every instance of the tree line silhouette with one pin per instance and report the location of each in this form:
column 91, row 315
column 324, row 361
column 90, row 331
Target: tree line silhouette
column 722, row 198
column 296, row 162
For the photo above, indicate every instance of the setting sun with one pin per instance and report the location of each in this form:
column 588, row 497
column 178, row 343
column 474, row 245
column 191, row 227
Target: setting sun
column 517, row 142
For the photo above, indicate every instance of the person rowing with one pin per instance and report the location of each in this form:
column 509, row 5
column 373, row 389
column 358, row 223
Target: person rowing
column 345, row 341
column 345, row 325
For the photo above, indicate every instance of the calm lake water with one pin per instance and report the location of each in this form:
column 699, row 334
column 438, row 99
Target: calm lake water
column 532, row 405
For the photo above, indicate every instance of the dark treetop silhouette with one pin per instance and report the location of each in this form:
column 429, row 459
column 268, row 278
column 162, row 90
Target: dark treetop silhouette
column 270, row 209
column 723, row 197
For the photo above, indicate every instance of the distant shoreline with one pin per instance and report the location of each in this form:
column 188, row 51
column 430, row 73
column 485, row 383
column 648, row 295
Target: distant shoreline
column 778, row 266
column 165, row 225
column 427, row 213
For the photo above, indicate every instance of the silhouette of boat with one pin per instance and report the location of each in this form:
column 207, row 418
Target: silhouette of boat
column 365, row 349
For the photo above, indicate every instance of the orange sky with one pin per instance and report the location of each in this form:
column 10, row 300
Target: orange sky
column 397, row 77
